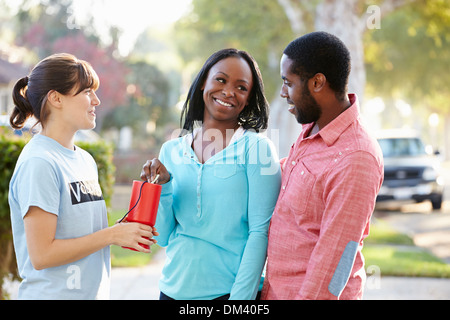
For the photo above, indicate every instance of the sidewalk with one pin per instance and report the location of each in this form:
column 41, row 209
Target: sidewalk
column 139, row 283
column 402, row 288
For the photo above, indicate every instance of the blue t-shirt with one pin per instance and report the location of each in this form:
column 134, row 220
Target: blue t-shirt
column 62, row 182
column 214, row 217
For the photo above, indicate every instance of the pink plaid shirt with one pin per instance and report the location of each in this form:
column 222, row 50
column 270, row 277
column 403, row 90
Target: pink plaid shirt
column 329, row 184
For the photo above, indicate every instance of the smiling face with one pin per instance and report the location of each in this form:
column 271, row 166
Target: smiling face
column 226, row 90
column 79, row 109
column 296, row 92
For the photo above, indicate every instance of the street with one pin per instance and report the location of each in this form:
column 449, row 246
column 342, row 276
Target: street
column 429, row 228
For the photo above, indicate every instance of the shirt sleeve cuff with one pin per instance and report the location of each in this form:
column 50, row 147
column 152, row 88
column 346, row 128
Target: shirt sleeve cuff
column 167, row 187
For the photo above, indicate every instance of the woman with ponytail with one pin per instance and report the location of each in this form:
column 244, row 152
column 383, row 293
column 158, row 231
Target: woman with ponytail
column 58, row 215
column 23, row 108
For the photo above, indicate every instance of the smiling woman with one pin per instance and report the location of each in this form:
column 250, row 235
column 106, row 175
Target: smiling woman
column 253, row 116
column 213, row 178
column 226, row 90
column 58, row 213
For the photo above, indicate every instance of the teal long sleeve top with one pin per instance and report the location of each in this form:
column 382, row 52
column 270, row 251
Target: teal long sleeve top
column 214, row 217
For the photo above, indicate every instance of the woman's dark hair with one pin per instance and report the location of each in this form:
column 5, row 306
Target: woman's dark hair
column 321, row 52
column 255, row 114
column 61, row 72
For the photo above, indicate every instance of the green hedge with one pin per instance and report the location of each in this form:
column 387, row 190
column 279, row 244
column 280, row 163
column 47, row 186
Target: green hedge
column 103, row 154
column 10, row 148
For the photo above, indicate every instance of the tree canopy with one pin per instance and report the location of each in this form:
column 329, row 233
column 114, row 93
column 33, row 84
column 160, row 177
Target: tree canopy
column 259, row 27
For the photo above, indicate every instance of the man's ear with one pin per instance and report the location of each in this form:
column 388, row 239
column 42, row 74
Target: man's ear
column 54, row 98
column 318, row 82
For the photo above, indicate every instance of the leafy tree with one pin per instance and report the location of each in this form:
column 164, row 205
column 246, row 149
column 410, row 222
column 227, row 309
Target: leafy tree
column 39, row 25
column 147, row 99
column 405, row 59
column 408, row 52
column 363, row 25
column 259, row 27
column 111, row 71
column 46, row 28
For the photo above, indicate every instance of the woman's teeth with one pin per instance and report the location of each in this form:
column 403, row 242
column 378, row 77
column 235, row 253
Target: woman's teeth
column 223, row 103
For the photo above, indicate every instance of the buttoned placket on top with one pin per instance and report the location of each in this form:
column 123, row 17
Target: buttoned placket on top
column 190, row 155
column 293, row 160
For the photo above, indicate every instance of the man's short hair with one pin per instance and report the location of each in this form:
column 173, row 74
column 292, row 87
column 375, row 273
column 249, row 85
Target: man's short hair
column 321, row 52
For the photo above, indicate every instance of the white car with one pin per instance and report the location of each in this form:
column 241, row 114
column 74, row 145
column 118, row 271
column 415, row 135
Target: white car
column 410, row 173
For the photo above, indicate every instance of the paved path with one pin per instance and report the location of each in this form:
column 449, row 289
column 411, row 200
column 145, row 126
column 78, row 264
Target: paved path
column 138, row 283
column 402, row 288
column 429, row 229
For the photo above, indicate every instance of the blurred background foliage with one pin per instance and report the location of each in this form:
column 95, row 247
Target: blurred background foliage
column 400, row 51
column 405, row 57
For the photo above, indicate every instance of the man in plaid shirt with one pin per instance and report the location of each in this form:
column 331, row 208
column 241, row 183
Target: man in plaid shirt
column 330, row 179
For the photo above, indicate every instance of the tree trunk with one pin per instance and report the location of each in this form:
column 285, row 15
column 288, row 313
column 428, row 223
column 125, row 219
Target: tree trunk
column 341, row 19
column 283, row 127
column 346, row 19
column 7, row 255
column 446, row 138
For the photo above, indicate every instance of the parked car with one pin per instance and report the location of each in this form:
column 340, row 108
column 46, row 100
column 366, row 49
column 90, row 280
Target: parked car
column 410, row 173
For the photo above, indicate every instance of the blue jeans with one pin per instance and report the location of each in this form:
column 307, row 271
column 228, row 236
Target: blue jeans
column 163, row 296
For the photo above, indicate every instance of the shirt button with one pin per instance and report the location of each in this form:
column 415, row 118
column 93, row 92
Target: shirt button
column 293, row 163
column 302, row 172
column 283, row 187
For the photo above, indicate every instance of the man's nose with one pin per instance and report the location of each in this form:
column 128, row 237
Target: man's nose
column 283, row 91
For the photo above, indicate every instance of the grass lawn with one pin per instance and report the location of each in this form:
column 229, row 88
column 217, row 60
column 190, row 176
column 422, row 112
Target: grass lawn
column 121, row 257
column 395, row 254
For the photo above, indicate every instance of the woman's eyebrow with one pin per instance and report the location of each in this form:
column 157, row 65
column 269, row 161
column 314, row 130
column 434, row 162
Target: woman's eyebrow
column 223, row 73
column 226, row 75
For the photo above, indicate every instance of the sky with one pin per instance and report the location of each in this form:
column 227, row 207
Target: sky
column 132, row 16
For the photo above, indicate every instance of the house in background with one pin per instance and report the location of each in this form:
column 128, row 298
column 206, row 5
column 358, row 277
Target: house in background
column 9, row 74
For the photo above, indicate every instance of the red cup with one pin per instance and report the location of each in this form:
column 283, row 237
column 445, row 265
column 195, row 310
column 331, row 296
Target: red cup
column 143, row 209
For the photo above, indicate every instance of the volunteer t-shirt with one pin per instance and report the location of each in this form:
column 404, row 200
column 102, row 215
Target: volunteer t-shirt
column 62, row 182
